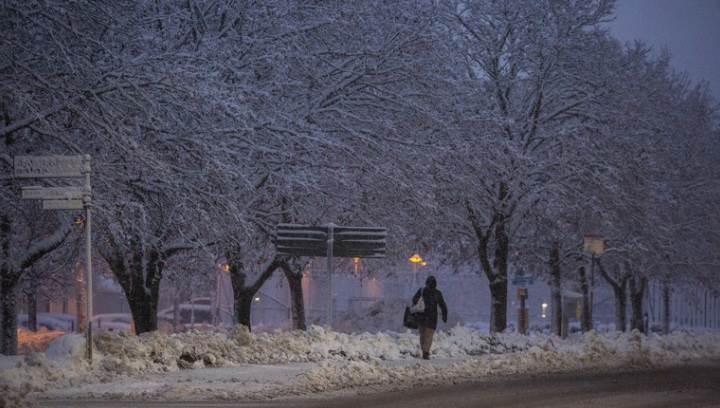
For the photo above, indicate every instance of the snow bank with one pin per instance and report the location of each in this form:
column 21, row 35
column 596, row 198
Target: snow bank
column 347, row 360
column 541, row 354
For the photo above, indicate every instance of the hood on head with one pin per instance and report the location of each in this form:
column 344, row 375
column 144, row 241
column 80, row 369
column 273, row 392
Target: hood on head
column 430, row 282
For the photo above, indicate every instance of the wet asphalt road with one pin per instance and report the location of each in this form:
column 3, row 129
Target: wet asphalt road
column 695, row 385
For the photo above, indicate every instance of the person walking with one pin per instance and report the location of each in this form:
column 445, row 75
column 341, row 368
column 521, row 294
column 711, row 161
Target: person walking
column 427, row 319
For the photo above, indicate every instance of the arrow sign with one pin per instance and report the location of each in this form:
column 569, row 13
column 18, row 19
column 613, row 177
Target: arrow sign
column 48, row 166
column 52, row 193
column 309, row 240
column 62, row 205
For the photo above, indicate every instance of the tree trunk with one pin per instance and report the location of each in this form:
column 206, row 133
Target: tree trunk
column 8, row 333
column 496, row 272
column 666, row 308
column 32, row 304
column 499, row 285
column 637, row 292
column 619, row 287
column 242, row 293
column 243, row 307
column 141, row 286
column 8, row 316
column 176, row 309
column 143, row 308
column 297, row 301
column 292, row 269
column 586, row 321
column 620, row 305
column 555, row 290
column 498, row 306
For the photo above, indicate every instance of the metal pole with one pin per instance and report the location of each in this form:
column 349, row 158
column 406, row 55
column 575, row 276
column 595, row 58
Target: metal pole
column 88, row 256
column 330, row 243
column 216, row 317
column 592, row 289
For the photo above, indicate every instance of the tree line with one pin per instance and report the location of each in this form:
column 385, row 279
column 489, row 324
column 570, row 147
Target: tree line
column 496, row 133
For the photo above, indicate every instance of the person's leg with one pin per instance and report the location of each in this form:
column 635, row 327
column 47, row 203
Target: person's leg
column 426, row 338
column 429, row 339
column 421, row 333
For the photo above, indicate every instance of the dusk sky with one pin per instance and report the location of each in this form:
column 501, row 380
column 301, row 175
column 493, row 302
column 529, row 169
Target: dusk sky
column 689, row 28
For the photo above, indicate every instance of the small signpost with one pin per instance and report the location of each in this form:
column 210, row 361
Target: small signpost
column 63, row 198
column 521, row 281
column 330, row 241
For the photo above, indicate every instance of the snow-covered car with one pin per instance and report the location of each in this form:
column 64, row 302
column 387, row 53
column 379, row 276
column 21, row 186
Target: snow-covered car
column 51, row 321
column 112, row 322
column 195, row 314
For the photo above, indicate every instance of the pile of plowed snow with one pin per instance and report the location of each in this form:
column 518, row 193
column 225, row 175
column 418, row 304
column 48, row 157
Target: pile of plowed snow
column 346, row 359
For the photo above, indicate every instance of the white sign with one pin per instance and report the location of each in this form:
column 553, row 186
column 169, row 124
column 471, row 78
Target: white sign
column 62, row 205
column 48, row 166
column 52, row 193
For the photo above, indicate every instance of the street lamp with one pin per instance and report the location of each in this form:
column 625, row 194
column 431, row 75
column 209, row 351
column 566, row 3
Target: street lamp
column 595, row 244
column 356, row 265
column 415, row 260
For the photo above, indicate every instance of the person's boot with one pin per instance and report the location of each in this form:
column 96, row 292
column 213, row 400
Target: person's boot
column 426, row 355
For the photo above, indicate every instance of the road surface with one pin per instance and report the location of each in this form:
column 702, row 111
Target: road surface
column 696, row 385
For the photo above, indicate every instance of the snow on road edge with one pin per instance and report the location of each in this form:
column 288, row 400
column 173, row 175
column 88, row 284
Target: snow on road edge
column 343, row 360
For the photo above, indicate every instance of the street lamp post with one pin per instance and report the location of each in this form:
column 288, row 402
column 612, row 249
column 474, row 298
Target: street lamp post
column 595, row 244
column 415, row 260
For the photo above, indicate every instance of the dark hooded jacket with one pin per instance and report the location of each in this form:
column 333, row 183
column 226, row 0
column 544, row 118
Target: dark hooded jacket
column 432, row 298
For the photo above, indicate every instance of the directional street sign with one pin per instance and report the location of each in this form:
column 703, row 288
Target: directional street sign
column 330, row 241
column 48, row 166
column 348, row 242
column 52, row 193
column 64, row 198
column 62, row 204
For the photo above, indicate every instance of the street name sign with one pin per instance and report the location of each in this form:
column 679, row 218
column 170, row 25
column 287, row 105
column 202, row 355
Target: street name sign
column 64, row 198
column 330, row 241
column 62, row 204
column 52, row 193
column 523, row 280
column 48, row 166
column 347, row 242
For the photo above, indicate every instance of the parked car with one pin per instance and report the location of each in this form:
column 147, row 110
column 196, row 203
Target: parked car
column 197, row 314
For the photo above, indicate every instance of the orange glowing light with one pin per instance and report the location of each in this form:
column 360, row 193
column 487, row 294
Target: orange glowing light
column 415, row 259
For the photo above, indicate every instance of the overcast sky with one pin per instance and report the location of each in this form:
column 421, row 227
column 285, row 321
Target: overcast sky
column 689, row 28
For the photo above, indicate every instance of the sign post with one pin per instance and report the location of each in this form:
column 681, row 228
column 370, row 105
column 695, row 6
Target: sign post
column 330, row 241
column 330, row 244
column 522, row 281
column 64, row 198
column 522, row 294
column 88, row 254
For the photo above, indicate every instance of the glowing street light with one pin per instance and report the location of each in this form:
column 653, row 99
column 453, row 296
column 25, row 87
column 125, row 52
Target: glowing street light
column 356, row 265
column 416, row 259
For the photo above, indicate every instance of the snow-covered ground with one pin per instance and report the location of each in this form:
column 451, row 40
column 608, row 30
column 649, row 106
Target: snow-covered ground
column 238, row 364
